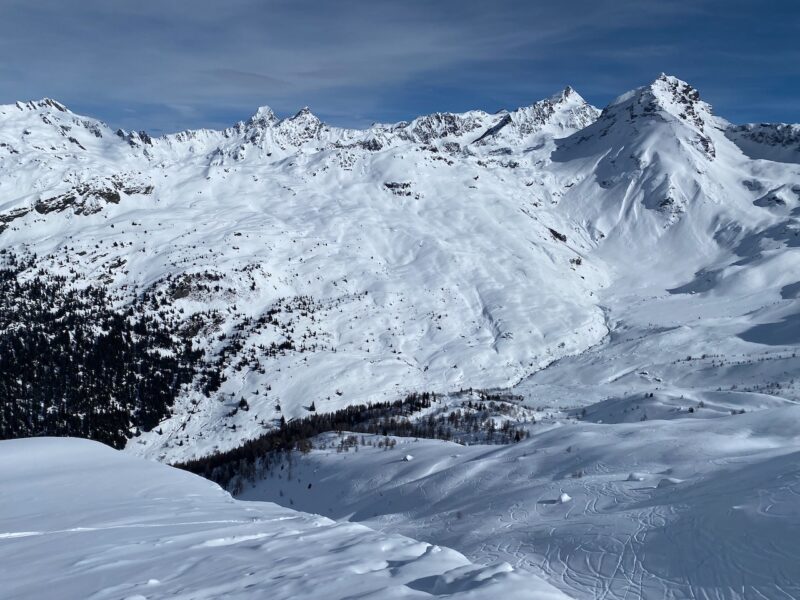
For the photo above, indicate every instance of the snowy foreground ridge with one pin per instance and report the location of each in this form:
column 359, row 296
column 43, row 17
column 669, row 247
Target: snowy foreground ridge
column 80, row 520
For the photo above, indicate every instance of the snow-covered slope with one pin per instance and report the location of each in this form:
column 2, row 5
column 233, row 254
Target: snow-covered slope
column 770, row 141
column 680, row 508
column 702, row 242
column 413, row 266
column 80, row 520
column 633, row 274
column 326, row 266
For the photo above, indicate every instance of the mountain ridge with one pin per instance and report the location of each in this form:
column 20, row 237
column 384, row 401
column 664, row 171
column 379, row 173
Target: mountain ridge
column 315, row 264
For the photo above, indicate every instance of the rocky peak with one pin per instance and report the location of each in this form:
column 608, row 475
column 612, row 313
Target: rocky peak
column 305, row 116
column 301, row 127
column 680, row 99
column 566, row 109
column 44, row 103
column 263, row 117
column 568, row 93
column 135, row 138
column 48, row 124
column 667, row 100
column 441, row 125
column 667, row 96
column 563, row 113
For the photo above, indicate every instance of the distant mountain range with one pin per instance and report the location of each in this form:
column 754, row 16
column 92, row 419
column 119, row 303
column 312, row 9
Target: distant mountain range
column 180, row 294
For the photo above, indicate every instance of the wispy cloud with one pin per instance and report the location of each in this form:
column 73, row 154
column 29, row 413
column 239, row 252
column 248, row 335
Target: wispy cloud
column 168, row 65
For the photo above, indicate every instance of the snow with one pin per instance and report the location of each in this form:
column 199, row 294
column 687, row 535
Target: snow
column 84, row 521
column 668, row 482
column 681, row 508
column 413, row 290
column 631, row 274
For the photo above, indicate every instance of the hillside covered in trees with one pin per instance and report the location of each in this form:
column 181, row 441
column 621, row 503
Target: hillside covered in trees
column 73, row 364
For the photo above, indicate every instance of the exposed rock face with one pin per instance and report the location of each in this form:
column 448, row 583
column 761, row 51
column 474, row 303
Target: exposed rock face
column 768, row 141
column 90, row 198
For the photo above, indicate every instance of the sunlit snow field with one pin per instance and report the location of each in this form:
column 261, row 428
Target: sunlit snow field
column 630, row 276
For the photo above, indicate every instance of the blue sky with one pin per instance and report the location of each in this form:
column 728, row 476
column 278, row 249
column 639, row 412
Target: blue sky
column 166, row 65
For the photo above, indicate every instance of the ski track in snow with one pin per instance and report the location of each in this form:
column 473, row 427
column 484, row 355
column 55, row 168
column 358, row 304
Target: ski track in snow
column 726, row 531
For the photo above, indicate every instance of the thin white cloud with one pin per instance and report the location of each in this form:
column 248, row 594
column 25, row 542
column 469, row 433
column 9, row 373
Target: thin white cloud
column 352, row 57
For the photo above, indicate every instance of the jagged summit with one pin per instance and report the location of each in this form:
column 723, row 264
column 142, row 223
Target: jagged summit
column 567, row 109
column 681, row 99
column 304, row 113
column 565, row 94
column 651, row 121
column 665, row 96
column 43, row 103
column 559, row 115
column 264, row 115
column 656, row 146
column 47, row 125
column 303, row 127
column 428, row 128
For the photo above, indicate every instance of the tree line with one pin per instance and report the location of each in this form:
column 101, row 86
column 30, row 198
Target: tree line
column 254, row 458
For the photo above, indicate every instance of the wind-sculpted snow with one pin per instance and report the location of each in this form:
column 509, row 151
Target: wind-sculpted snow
column 681, row 508
column 80, row 520
column 322, row 266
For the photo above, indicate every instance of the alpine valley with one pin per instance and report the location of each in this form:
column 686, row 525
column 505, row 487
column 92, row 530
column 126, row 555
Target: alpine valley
column 557, row 338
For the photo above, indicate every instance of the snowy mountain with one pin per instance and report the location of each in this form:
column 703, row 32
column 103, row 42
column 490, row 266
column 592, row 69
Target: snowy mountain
column 595, row 313
column 314, row 265
column 770, row 141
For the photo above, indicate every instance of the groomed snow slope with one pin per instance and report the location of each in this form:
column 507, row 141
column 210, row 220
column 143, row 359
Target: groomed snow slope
column 80, row 520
